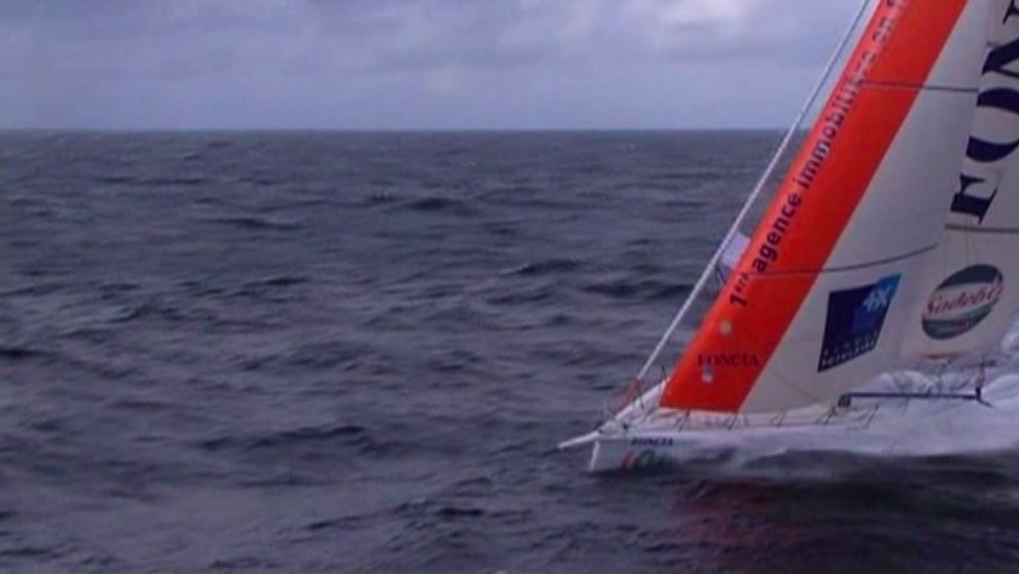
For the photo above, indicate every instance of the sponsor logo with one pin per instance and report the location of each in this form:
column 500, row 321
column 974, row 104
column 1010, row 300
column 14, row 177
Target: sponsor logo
column 992, row 143
column 708, row 362
column 651, row 441
column 728, row 360
column 646, row 460
column 962, row 301
column 854, row 321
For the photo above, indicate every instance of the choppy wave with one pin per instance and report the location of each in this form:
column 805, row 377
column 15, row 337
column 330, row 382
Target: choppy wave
column 545, row 267
column 630, row 289
column 356, row 352
column 443, row 205
column 257, row 223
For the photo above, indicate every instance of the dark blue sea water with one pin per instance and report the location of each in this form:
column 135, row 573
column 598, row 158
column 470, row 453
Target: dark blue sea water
column 356, row 353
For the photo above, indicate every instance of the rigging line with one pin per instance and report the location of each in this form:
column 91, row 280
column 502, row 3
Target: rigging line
column 758, row 189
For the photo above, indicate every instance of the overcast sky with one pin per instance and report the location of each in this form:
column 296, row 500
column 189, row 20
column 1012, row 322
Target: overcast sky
column 399, row 64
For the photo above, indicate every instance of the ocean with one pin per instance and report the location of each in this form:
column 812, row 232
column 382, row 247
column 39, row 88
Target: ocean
column 356, row 352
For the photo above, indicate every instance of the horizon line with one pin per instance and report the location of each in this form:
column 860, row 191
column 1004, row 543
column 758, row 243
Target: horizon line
column 390, row 130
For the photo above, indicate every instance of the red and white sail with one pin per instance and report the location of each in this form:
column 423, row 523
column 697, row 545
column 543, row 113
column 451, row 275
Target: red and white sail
column 821, row 296
column 972, row 292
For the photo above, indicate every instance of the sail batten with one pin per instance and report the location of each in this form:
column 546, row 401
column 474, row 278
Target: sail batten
column 984, row 230
column 854, row 267
column 777, row 337
column 922, row 87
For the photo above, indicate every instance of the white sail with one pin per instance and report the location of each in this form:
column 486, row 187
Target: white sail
column 972, row 289
column 820, row 299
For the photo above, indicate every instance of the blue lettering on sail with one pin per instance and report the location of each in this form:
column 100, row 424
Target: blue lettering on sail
column 854, row 322
column 976, row 193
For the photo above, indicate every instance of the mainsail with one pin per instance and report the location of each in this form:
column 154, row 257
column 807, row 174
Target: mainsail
column 972, row 291
column 820, row 298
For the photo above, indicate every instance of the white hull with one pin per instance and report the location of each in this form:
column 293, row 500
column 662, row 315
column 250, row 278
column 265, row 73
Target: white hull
column 668, row 440
column 879, row 427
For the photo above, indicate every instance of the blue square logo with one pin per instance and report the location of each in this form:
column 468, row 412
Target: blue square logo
column 855, row 319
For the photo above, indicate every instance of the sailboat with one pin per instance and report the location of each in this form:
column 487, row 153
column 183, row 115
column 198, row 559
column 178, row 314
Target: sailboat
column 889, row 248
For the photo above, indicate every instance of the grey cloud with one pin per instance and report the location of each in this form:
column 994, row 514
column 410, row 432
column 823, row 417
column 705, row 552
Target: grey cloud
column 106, row 61
column 394, row 34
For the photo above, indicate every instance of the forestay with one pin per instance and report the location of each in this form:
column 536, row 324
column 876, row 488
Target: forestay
column 819, row 300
